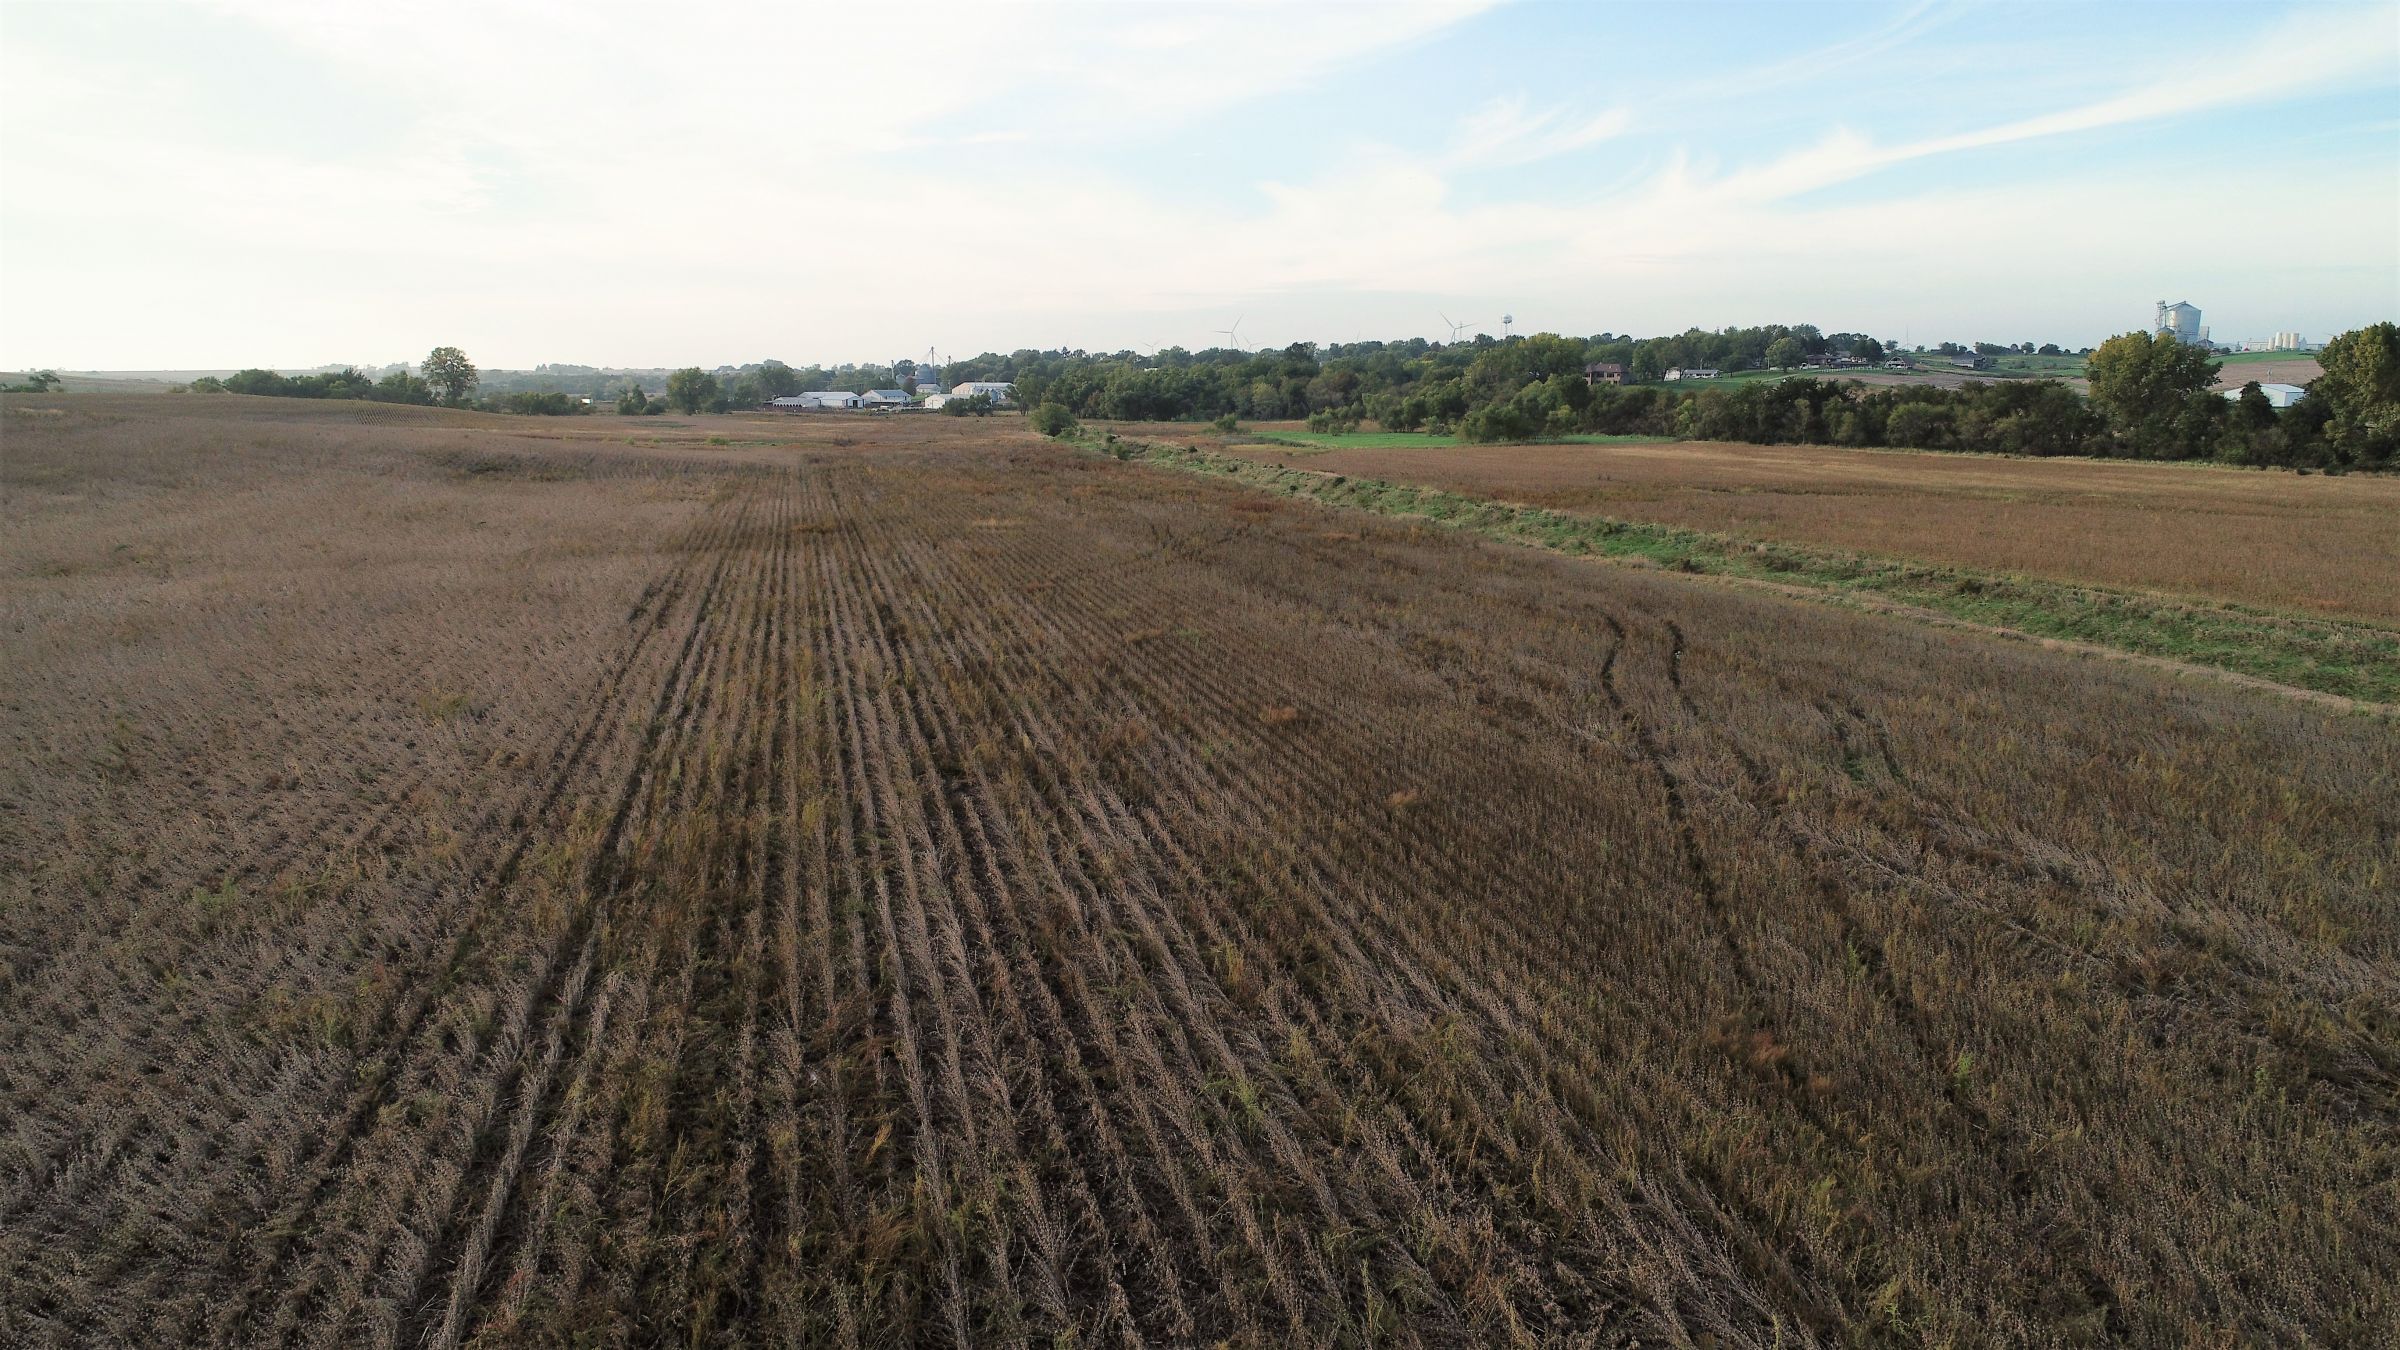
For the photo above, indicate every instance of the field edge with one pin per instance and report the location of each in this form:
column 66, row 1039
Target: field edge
column 2348, row 665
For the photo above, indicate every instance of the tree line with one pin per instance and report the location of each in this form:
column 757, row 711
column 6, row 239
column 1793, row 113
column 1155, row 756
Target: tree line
column 448, row 378
column 2150, row 396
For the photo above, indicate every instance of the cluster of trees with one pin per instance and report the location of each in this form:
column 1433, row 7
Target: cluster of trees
column 2013, row 417
column 1411, row 383
column 2000, row 349
column 744, row 386
column 695, row 390
column 1173, row 384
column 2150, row 399
column 536, row 405
column 36, row 382
column 448, row 378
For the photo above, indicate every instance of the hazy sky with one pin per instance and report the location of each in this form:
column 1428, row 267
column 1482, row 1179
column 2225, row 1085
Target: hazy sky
column 204, row 185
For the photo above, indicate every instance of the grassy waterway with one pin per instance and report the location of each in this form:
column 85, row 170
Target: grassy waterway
column 2348, row 660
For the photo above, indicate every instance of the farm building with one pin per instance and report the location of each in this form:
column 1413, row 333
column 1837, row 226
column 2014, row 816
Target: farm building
column 827, row 399
column 2180, row 321
column 2281, row 395
column 1971, row 361
column 998, row 391
column 1692, row 373
column 1605, row 372
column 884, row 398
column 937, row 400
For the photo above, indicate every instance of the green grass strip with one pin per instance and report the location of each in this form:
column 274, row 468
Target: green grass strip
column 1417, row 440
column 2353, row 660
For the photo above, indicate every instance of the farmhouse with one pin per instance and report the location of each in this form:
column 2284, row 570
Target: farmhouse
column 1692, row 373
column 2280, row 395
column 1605, row 372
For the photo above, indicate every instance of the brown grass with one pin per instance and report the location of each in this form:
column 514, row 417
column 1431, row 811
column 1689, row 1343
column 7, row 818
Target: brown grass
column 2314, row 545
column 469, row 886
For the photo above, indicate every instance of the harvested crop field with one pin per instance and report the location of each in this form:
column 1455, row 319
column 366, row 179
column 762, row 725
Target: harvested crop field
column 2277, row 369
column 2314, row 545
column 469, row 880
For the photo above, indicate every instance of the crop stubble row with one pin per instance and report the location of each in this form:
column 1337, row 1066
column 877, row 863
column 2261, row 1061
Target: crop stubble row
column 1002, row 897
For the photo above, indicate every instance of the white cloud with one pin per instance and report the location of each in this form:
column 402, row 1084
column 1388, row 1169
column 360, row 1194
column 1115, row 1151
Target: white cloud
column 1506, row 133
column 657, row 191
column 2323, row 49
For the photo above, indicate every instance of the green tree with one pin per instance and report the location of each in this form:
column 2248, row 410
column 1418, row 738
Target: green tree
column 1783, row 353
column 777, row 380
column 402, row 387
column 2142, row 385
column 1052, row 420
column 1868, row 350
column 691, row 389
column 2361, row 391
column 263, row 383
column 449, row 370
column 632, row 402
column 2252, row 411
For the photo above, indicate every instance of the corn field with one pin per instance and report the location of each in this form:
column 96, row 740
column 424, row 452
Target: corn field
column 466, row 887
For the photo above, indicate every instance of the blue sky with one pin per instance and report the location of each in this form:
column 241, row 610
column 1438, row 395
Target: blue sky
column 201, row 185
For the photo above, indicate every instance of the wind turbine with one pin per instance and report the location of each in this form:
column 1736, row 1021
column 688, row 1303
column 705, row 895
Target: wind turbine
column 1455, row 326
column 1232, row 336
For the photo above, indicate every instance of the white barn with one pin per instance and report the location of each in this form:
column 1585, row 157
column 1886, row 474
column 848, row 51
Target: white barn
column 997, row 391
column 831, row 398
column 884, row 398
column 2281, row 395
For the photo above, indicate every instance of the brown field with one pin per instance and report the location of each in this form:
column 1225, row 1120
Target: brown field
column 899, row 882
column 2315, row 545
column 2297, row 370
column 1929, row 377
